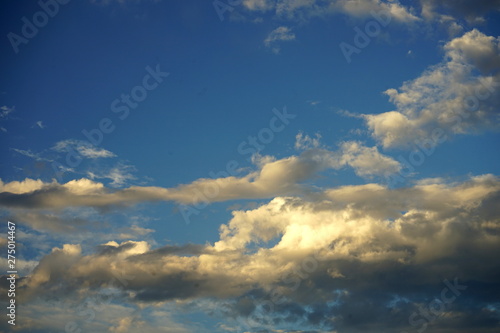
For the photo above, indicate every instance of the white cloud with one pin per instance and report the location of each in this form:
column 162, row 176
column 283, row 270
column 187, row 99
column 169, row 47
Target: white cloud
column 5, row 111
column 364, row 8
column 291, row 8
column 30, row 154
column 119, row 174
column 279, row 34
column 313, row 103
column 4, row 114
column 84, row 148
column 460, row 95
column 303, row 142
column 258, row 5
column 368, row 162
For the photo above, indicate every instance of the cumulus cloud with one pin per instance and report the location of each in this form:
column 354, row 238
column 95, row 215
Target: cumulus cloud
column 357, row 256
column 460, row 95
column 18, row 187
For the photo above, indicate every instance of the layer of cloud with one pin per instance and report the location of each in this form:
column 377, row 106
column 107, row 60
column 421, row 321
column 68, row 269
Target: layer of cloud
column 358, row 258
column 273, row 177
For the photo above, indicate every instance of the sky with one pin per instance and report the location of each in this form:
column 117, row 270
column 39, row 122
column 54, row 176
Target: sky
column 250, row 166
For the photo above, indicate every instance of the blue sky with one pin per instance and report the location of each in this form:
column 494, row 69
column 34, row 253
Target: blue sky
column 250, row 148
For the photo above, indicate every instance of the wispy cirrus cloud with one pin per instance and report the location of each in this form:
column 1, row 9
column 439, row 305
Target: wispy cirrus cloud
column 4, row 114
column 280, row 34
column 119, row 174
column 31, row 154
column 85, row 149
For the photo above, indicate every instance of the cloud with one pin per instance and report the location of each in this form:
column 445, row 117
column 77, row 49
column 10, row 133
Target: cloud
column 23, row 267
column 5, row 111
column 306, row 9
column 258, row 5
column 472, row 11
column 94, row 312
column 460, row 95
column 364, row 8
column 306, row 142
column 358, row 258
column 49, row 221
column 279, row 34
column 273, row 177
column 30, row 154
column 368, row 162
column 133, row 232
column 119, row 174
column 313, row 103
column 4, row 114
column 85, row 149
column 19, row 187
